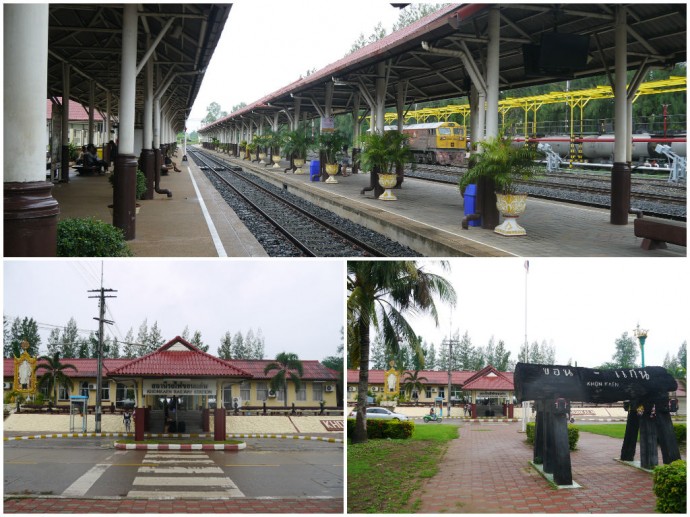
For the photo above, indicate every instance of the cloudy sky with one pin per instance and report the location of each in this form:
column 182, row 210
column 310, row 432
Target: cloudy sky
column 267, row 44
column 297, row 304
column 581, row 306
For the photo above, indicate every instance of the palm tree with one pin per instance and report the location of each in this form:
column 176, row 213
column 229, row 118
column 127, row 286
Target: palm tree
column 412, row 382
column 287, row 365
column 55, row 375
column 380, row 294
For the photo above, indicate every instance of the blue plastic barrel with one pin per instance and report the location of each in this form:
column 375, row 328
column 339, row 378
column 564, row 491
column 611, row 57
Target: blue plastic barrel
column 315, row 170
column 471, row 203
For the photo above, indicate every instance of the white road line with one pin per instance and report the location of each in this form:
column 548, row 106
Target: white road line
column 209, row 222
column 183, row 481
column 161, row 461
column 82, row 485
column 181, row 470
column 146, row 494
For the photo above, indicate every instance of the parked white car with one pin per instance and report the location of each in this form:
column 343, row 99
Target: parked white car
column 380, row 412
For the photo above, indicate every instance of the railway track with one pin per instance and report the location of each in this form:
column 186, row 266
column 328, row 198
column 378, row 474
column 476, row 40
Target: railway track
column 287, row 226
column 655, row 197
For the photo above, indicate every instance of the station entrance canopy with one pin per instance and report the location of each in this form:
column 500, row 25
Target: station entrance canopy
column 88, row 37
column 656, row 37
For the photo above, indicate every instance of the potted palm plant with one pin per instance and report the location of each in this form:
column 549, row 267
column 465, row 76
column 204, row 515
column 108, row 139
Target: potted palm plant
column 331, row 143
column 382, row 154
column 503, row 164
column 261, row 142
column 297, row 144
column 274, row 141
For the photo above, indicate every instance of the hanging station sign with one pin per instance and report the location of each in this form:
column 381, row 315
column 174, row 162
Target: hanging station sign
column 191, row 387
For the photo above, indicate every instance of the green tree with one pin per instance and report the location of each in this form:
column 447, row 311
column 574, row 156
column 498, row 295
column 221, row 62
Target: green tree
column 22, row 329
column 198, row 342
column 130, row 350
column 381, row 293
column 501, row 359
column 287, row 366
column 379, row 356
column 225, row 348
column 411, row 382
column 430, row 358
column 213, row 113
column 626, row 352
column 54, row 375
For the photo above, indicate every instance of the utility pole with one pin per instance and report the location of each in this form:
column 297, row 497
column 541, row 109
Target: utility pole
column 449, row 343
column 101, row 320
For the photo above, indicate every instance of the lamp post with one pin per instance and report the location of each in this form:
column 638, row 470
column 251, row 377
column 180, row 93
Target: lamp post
column 641, row 335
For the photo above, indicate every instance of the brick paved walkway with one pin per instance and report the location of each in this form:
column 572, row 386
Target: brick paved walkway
column 486, row 471
column 59, row 505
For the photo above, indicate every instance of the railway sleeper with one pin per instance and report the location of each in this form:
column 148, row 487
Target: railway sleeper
column 655, row 233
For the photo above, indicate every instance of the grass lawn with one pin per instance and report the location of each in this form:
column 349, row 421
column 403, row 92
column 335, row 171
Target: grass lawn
column 612, row 430
column 382, row 475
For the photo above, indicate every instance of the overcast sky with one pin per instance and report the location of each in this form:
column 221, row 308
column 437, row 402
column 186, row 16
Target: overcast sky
column 297, row 304
column 581, row 306
column 267, row 44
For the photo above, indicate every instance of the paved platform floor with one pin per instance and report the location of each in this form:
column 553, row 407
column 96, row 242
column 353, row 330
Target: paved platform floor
column 487, row 471
column 425, row 217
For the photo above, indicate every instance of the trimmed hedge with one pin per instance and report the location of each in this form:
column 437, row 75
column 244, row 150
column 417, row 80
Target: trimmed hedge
column 89, row 237
column 378, row 428
column 670, row 487
column 681, row 433
column 573, row 435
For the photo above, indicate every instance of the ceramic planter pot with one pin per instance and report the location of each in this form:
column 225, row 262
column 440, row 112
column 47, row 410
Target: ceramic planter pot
column 511, row 206
column 276, row 161
column 331, row 170
column 262, row 157
column 387, row 182
column 299, row 163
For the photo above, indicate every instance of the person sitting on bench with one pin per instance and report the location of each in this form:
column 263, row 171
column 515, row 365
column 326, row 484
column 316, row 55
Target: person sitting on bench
column 169, row 164
column 92, row 161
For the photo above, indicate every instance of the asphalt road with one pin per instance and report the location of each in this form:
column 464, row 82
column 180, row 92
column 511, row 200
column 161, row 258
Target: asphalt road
column 91, row 467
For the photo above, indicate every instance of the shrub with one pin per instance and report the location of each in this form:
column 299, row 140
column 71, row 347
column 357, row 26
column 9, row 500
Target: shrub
column 681, row 432
column 378, row 428
column 89, row 237
column 140, row 186
column 573, row 435
column 670, row 487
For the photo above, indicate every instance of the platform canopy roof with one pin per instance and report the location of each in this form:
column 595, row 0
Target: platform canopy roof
column 89, row 37
column 657, row 35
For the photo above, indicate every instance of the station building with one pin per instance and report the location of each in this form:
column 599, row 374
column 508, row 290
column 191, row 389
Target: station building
column 179, row 375
column 489, row 391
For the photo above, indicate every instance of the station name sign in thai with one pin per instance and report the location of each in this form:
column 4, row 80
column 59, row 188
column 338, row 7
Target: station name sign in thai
column 491, row 394
column 541, row 381
column 157, row 387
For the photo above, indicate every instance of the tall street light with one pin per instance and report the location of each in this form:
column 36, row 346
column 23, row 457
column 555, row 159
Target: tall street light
column 641, row 335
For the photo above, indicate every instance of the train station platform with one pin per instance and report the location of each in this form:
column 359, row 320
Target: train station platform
column 426, row 217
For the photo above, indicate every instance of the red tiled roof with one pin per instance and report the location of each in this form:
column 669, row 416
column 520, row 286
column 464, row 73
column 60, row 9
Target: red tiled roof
column 489, row 378
column 313, row 370
column 84, row 367
column 77, row 112
column 179, row 358
column 433, row 377
column 373, row 50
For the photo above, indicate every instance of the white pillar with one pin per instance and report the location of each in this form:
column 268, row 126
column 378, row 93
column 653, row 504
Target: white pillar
column 92, row 111
column 492, row 72
column 380, row 96
column 64, row 172
column 148, row 102
column 128, row 79
column 621, row 67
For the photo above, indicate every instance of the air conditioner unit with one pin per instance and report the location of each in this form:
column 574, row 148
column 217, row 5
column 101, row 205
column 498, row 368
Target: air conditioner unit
column 351, row 388
column 375, row 388
column 433, row 390
column 92, row 387
column 329, row 389
column 272, row 394
column 7, row 386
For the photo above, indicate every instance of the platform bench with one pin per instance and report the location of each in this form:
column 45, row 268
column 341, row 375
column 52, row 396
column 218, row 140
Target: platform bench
column 656, row 233
column 83, row 170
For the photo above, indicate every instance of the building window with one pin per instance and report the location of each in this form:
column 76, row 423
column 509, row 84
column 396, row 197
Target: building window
column 261, row 391
column 302, row 393
column 245, row 391
column 428, row 393
column 84, row 389
column 317, row 391
column 442, row 392
column 227, row 396
column 280, row 394
column 105, row 390
column 63, row 393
